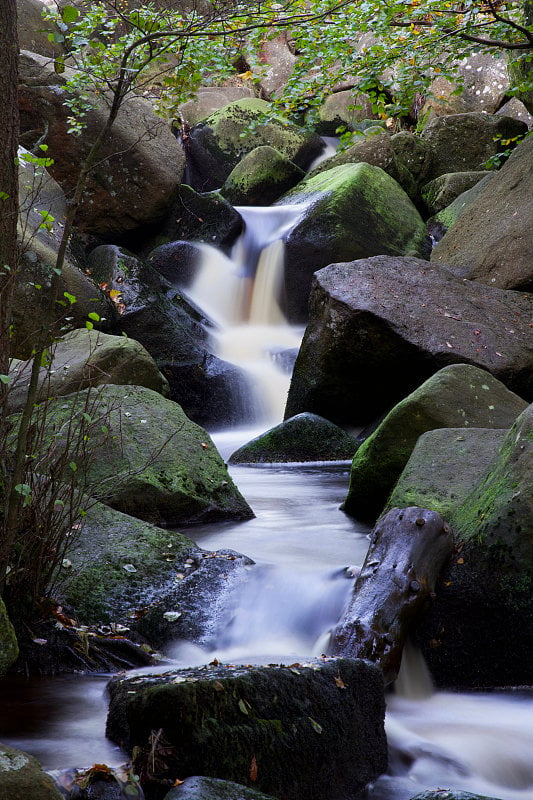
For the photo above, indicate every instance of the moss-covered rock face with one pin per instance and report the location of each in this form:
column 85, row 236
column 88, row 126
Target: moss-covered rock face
column 258, row 726
column 85, row 358
column 260, row 178
column 456, row 396
column 442, row 191
column 22, row 777
column 8, row 641
column 305, row 437
column 440, row 222
column 354, row 211
column 215, row 147
column 480, row 629
column 444, row 466
column 117, row 563
column 150, row 461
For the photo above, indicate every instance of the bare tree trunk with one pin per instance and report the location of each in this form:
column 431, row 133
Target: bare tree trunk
column 8, row 171
column 409, row 547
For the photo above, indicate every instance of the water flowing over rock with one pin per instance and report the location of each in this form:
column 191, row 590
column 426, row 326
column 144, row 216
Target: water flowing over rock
column 354, row 211
column 456, row 396
column 380, row 326
column 408, row 549
column 309, row 730
column 491, row 242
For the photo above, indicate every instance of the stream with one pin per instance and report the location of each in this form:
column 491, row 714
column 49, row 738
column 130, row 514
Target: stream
column 305, row 551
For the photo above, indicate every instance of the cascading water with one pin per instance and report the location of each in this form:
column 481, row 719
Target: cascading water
column 301, row 543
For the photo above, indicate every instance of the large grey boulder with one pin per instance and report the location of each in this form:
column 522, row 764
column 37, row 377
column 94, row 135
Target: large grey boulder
column 379, row 327
column 348, row 212
column 33, row 30
column 209, row 99
column 464, row 142
column 442, row 191
column 22, row 777
column 198, row 788
column 141, row 164
column 215, row 147
column 491, row 575
column 147, row 458
column 305, row 437
column 485, row 82
column 491, row 241
column 84, row 358
column 459, row 395
column 258, row 726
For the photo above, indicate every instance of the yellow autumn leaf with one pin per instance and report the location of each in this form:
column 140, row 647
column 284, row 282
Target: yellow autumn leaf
column 246, row 76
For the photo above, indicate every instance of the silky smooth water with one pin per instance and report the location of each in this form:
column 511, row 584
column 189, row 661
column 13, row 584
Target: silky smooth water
column 306, row 552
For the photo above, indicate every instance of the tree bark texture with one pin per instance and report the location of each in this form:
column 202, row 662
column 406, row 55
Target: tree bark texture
column 408, row 549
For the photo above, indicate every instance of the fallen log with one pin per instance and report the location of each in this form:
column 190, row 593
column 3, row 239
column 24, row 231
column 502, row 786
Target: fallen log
column 409, row 547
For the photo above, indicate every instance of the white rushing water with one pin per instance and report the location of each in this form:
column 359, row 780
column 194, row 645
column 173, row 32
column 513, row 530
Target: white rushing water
column 302, row 544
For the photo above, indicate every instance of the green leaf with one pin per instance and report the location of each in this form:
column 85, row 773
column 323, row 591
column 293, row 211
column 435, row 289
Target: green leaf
column 5, row 379
column 70, row 297
column 89, row 325
column 94, row 316
column 69, row 14
column 73, row 466
column 243, row 706
column 316, row 727
column 59, row 65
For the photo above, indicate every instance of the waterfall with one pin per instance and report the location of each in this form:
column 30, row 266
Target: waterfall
column 242, row 294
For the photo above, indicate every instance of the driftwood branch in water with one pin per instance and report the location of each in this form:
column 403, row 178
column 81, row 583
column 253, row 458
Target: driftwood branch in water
column 409, row 547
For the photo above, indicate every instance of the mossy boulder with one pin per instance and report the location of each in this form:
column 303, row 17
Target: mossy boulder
column 491, row 577
column 117, row 564
column 442, row 191
column 379, row 327
column 198, row 788
column 464, row 142
column 375, row 146
column 456, row 396
column 215, row 146
column 311, row 730
column 84, row 358
column 260, row 178
column 305, row 437
column 491, row 241
column 353, row 211
column 147, row 458
column 22, row 777
column 443, row 467
column 8, row 641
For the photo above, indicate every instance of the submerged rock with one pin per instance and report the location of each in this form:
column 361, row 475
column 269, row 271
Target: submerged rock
column 196, row 788
column 305, row 437
column 379, row 327
column 456, row 396
column 309, row 730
